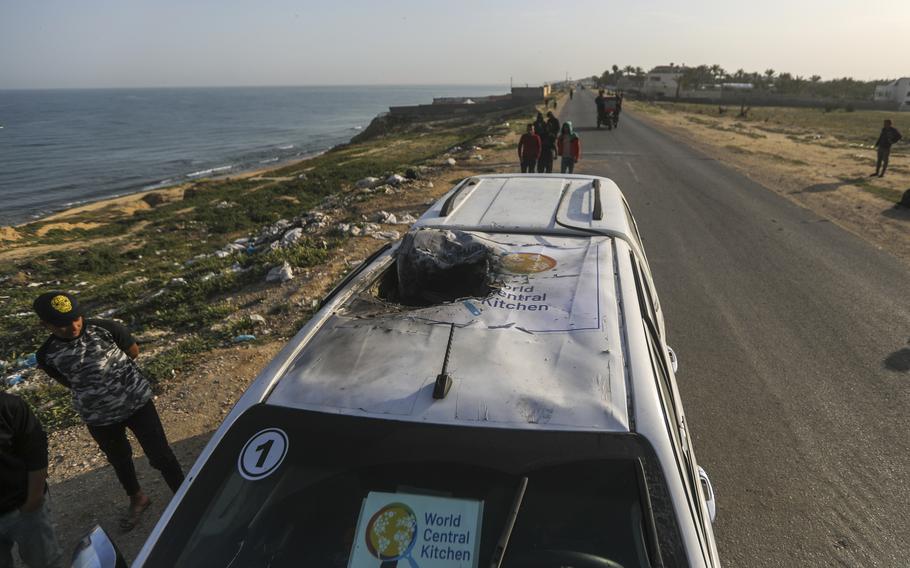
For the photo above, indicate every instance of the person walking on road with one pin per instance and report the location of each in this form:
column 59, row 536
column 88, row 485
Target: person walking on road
column 95, row 360
column 529, row 150
column 540, row 125
column 552, row 125
column 547, row 149
column 24, row 508
column 886, row 139
column 568, row 145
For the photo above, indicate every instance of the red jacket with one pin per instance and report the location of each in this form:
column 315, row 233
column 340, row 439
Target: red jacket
column 575, row 145
column 529, row 147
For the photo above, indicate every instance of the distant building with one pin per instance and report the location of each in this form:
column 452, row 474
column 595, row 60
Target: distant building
column 897, row 91
column 662, row 81
column 532, row 94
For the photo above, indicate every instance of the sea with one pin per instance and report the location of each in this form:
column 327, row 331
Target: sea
column 63, row 148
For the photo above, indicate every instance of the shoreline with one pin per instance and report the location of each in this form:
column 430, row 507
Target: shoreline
column 170, row 190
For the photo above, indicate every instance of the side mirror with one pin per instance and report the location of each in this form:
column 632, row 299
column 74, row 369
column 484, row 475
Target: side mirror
column 673, row 360
column 97, row 550
column 708, row 490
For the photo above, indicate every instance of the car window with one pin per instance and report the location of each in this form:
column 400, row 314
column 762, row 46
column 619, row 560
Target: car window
column 586, row 493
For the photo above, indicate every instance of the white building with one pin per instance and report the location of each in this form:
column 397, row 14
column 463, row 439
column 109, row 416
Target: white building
column 662, row 81
column 897, row 91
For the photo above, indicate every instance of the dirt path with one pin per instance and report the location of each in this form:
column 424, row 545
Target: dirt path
column 810, row 168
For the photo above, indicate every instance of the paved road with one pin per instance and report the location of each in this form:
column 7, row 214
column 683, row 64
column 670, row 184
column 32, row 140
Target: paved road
column 790, row 332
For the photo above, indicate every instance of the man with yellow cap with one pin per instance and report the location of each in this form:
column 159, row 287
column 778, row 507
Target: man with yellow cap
column 95, row 360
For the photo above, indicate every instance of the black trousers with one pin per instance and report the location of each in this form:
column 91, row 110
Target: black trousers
column 882, row 161
column 146, row 425
column 527, row 166
column 545, row 164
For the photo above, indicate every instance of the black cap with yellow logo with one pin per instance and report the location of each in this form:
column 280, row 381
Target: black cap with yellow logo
column 58, row 308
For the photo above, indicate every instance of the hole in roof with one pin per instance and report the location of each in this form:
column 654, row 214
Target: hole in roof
column 439, row 266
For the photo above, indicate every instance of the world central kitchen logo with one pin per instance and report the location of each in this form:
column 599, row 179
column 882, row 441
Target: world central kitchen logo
column 396, row 533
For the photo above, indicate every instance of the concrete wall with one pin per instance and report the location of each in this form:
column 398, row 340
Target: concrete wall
column 443, row 110
column 532, row 94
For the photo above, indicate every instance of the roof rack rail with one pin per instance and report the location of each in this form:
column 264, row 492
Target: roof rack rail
column 450, row 202
column 598, row 206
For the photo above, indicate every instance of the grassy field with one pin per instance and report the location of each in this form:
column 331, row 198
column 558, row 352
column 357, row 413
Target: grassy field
column 857, row 127
column 155, row 267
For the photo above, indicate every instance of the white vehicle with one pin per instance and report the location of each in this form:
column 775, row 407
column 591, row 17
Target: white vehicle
column 494, row 390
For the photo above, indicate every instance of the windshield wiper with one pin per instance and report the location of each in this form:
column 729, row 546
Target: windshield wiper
column 500, row 551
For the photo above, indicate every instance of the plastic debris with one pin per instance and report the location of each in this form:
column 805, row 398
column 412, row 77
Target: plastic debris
column 395, row 179
column 257, row 319
column 367, row 182
column 451, row 162
column 281, row 273
column 387, row 235
column 14, row 380
column 243, row 338
column 28, row 362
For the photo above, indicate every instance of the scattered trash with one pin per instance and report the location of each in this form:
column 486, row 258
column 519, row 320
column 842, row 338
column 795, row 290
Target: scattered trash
column 387, row 235
column 28, row 362
column 289, row 239
column 107, row 313
column 451, row 162
column 281, row 273
column 178, row 281
column 225, row 205
column 387, row 218
column 367, row 182
column 243, row 338
column 257, row 319
column 207, row 276
column 395, row 179
column 14, row 380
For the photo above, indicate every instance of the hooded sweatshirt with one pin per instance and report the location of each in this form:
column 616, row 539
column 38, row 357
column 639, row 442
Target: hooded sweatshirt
column 568, row 145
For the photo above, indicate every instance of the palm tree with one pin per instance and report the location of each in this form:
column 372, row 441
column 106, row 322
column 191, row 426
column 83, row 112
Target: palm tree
column 615, row 69
column 815, row 78
column 717, row 71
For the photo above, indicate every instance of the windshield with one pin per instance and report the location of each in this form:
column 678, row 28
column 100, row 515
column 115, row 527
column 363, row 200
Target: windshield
column 292, row 488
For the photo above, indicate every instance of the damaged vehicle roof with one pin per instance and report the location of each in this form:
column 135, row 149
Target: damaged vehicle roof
column 542, row 347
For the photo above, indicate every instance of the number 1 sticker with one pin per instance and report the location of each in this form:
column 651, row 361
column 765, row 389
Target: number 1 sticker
column 262, row 454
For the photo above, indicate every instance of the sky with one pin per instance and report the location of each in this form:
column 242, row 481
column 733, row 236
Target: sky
column 171, row 43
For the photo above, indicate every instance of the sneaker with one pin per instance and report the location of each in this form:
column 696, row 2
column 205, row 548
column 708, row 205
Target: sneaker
column 873, row 175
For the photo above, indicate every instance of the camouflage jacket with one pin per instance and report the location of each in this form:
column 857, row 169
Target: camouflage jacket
column 106, row 384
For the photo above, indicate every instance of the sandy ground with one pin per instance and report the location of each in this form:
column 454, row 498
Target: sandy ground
column 85, row 491
column 809, row 168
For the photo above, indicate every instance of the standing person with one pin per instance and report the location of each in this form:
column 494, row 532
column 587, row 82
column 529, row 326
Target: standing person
column 552, row 125
column 888, row 136
column 568, row 145
column 24, row 515
column 95, row 360
column 547, row 150
column 539, row 125
column 529, row 150
column 571, row 94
